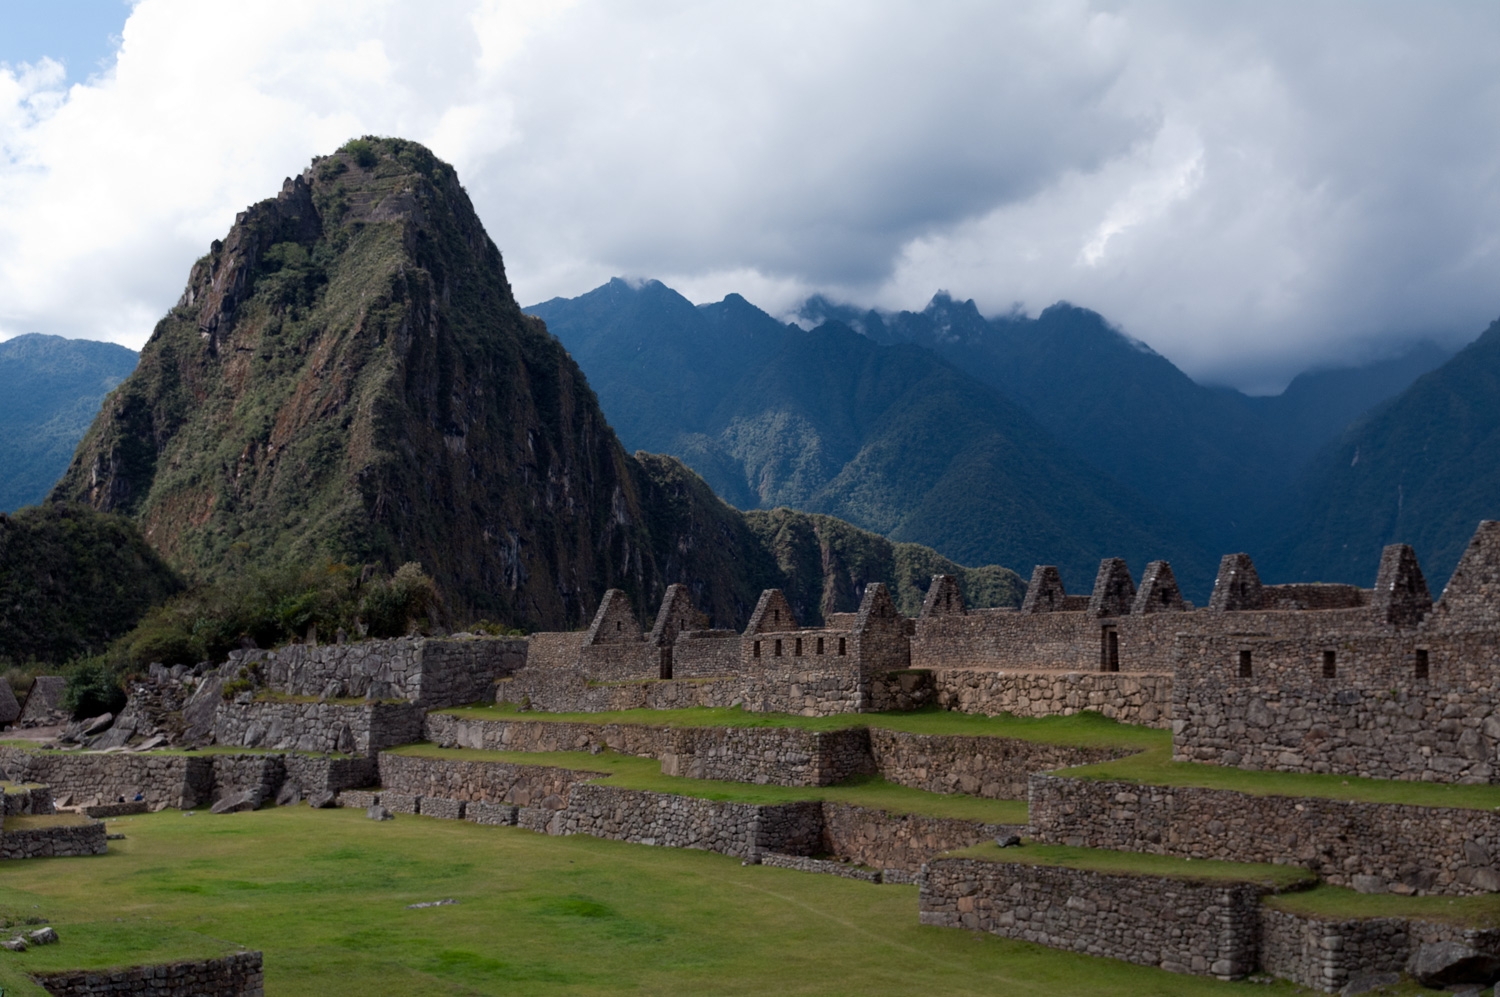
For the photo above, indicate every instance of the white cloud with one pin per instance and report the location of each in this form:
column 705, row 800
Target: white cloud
column 1247, row 188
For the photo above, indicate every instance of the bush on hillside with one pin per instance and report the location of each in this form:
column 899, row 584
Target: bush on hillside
column 92, row 689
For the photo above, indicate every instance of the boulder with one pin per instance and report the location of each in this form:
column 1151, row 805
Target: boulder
column 1442, row 964
column 97, row 725
column 234, row 803
column 1365, row 982
column 289, row 796
column 378, row 812
column 16, row 944
column 44, row 936
column 322, row 800
column 154, row 741
column 116, row 737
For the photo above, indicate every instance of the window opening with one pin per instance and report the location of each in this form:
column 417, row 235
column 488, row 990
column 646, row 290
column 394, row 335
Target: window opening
column 820, row 645
column 1244, row 664
column 797, row 648
column 1109, row 650
column 777, row 652
column 843, row 649
column 1330, row 665
column 1419, row 664
column 756, row 653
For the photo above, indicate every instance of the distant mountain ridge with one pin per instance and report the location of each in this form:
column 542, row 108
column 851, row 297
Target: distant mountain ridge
column 50, row 390
column 1097, row 446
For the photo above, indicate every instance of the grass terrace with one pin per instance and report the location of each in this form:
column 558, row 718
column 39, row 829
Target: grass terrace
column 324, row 894
column 32, row 822
column 1337, row 902
column 1083, row 729
column 1277, row 877
column 1155, row 767
column 632, row 772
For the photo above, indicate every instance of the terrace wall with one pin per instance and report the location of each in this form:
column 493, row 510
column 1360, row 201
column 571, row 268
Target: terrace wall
column 184, row 781
column 434, row 672
column 365, row 728
column 992, row 767
column 570, row 691
column 1182, row 926
column 1324, row 953
column 233, row 976
column 85, row 837
column 1371, row 846
column 487, row 782
column 903, row 842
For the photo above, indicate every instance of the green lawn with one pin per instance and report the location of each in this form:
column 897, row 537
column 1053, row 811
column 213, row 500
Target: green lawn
column 1155, row 767
column 30, row 822
column 324, row 895
column 631, row 772
column 1338, row 902
column 1085, row 729
column 1277, row 877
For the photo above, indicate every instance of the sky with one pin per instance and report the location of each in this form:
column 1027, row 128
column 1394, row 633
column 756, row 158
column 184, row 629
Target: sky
column 1250, row 188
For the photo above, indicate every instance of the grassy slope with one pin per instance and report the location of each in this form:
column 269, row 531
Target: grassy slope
column 324, row 895
column 1279, row 877
column 1083, row 729
column 631, row 772
column 1336, row 902
column 1155, row 767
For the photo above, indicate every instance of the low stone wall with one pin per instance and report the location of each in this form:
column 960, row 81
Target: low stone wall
column 897, row 841
column 449, row 731
column 826, row 867
column 488, row 782
column 1207, row 928
column 1324, row 954
column 67, row 837
column 184, row 781
column 27, row 799
column 1371, row 846
column 1129, row 697
column 739, row 829
column 807, row 686
column 501, row 814
column 992, row 767
column 233, row 976
column 311, row 726
column 908, row 689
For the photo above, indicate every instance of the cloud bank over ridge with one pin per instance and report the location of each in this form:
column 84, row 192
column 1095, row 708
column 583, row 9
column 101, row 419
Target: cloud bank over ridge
column 1248, row 188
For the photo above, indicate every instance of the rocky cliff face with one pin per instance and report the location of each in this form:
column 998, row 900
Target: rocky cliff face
column 348, row 377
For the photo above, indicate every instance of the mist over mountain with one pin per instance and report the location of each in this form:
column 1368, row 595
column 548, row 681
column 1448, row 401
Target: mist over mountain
column 1054, row 439
column 50, row 390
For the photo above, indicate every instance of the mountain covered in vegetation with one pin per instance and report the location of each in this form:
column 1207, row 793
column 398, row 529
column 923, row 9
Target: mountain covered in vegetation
column 1422, row 469
column 50, row 389
column 1049, row 440
column 347, row 379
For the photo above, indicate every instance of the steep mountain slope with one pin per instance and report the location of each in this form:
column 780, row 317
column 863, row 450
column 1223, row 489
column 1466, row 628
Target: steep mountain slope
column 1422, row 469
column 1213, row 459
column 887, row 437
column 347, row 376
column 72, row 580
column 50, row 389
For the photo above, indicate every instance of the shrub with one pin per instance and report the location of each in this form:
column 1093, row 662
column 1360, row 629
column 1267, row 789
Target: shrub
column 92, row 689
column 363, row 152
column 389, row 609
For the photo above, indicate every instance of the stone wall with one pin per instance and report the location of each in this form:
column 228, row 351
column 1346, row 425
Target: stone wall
column 570, row 691
column 1369, row 846
column 184, row 781
column 1371, row 717
column 431, row 671
column 907, row 689
column 807, row 686
column 1133, row 698
column 68, row 836
column 739, row 829
column 488, row 782
column 705, row 654
column 1324, row 954
column 233, row 976
column 884, row 840
column 1182, row 926
column 992, row 767
column 29, row 798
column 364, row 729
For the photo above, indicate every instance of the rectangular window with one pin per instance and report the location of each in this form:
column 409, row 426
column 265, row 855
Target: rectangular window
column 1419, row 663
column 797, row 648
column 820, row 645
column 1109, row 650
column 756, row 652
column 843, row 648
column 1244, row 664
column 778, row 647
column 1330, row 665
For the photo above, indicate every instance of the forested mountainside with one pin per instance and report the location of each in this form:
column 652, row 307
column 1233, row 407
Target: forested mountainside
column 50, row 389
column 347, row 377
column 888, row 437
column 1422, row 469
column 1047, row 440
